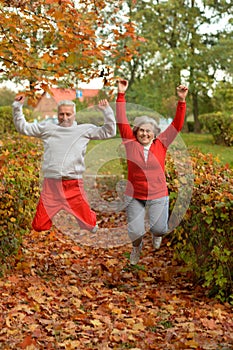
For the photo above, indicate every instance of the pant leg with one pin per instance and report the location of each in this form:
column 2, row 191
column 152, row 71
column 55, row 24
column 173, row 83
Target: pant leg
column 48, row 205
column 77, row 204
column 135, row 210
column 41, row 221
column 158, row 210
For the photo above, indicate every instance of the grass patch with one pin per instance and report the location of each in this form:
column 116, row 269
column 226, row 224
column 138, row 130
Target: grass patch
column 103, row 157
column 204, row 142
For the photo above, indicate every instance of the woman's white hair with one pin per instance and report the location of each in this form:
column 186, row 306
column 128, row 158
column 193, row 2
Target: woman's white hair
column 145, row 120
column 67, row 103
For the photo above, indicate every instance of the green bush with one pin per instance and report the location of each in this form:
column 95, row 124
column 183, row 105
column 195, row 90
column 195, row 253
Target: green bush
column 6, row 120
column 204, row 238
column 19, row 189
column 94, row 116
column 220, row 125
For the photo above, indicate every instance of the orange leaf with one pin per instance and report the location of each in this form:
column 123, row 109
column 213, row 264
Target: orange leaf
column 27, row 342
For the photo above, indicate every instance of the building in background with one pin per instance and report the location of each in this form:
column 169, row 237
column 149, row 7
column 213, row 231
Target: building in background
column 46, row 107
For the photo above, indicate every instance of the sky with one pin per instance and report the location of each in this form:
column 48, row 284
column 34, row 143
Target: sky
column 94, row 84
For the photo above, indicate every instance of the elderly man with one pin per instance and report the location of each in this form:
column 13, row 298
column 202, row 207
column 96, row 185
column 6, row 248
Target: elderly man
column 63, row 162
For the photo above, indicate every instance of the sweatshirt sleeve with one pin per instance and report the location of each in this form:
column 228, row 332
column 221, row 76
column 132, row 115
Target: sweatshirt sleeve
column 169, row 134
column 106, row 131
column 22, row 126
column 122, row 121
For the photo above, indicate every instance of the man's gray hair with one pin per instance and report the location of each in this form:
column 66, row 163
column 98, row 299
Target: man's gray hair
column 67, row 103
column 145, row 120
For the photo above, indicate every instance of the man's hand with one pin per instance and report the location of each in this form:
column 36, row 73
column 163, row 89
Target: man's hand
column 20, row 98
column 122, row 85
column 182, row 92
column 103, row 104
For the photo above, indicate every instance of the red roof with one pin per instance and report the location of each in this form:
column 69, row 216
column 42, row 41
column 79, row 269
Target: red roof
column 63, row 94
column 89, row 92
column 70, row 94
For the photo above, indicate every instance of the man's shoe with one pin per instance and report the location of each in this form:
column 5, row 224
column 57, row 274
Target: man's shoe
column 94, row 230
column 156, row 241
column 135, row 254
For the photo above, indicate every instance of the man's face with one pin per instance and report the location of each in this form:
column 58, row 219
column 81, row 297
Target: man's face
column 66, row 116
column 145, row 134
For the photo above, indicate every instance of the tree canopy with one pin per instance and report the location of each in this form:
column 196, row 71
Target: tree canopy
column 47, row 41
column 154, row 44
column 184, row 41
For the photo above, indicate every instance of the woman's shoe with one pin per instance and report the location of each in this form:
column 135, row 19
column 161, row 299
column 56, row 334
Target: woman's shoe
column 135, row 254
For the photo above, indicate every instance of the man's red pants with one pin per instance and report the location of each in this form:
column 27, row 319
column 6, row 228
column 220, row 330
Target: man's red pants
column 66, row 195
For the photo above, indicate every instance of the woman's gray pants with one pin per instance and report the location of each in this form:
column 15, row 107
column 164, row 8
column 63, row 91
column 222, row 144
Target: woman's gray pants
column 158, row 212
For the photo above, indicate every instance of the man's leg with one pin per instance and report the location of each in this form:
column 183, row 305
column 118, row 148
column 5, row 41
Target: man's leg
column 77, row 204
column 49, row 204
column 41, row 221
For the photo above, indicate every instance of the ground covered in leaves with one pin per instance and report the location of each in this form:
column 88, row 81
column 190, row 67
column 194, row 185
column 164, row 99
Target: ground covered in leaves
column 65, row 294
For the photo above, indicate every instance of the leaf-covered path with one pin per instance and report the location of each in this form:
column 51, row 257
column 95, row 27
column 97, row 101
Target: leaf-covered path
column 64, row 295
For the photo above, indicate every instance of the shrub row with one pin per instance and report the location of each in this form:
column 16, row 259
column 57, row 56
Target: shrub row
column 204, row 238
column 19, row 190
column 220, row 125
column 6, row 121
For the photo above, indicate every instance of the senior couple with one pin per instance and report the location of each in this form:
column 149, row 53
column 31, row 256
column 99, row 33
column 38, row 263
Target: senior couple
column 63, row 165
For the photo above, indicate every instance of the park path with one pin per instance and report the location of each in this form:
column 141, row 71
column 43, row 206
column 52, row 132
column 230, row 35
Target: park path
column 64, row 292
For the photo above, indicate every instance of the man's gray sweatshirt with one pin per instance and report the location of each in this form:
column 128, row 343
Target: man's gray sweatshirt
column 64, row 147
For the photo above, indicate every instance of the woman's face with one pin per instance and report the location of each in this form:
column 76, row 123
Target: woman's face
column 145, row 134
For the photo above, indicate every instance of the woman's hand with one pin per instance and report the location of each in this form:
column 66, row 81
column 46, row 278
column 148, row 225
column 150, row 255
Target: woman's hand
column 122, row 85
column 182, row 92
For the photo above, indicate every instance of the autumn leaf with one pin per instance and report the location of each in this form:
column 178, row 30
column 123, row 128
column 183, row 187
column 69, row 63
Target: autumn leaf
column 27, row 342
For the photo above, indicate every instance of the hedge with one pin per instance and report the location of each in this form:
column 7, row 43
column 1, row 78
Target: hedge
column 204, row 239
column 220, row 125
column 6, row 120
column 19, row 189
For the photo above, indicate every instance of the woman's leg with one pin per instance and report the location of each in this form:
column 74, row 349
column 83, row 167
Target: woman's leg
column 158, row 210
column 135, row 210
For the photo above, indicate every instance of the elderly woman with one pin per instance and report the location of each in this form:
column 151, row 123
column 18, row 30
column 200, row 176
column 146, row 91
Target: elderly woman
column 146, row 187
